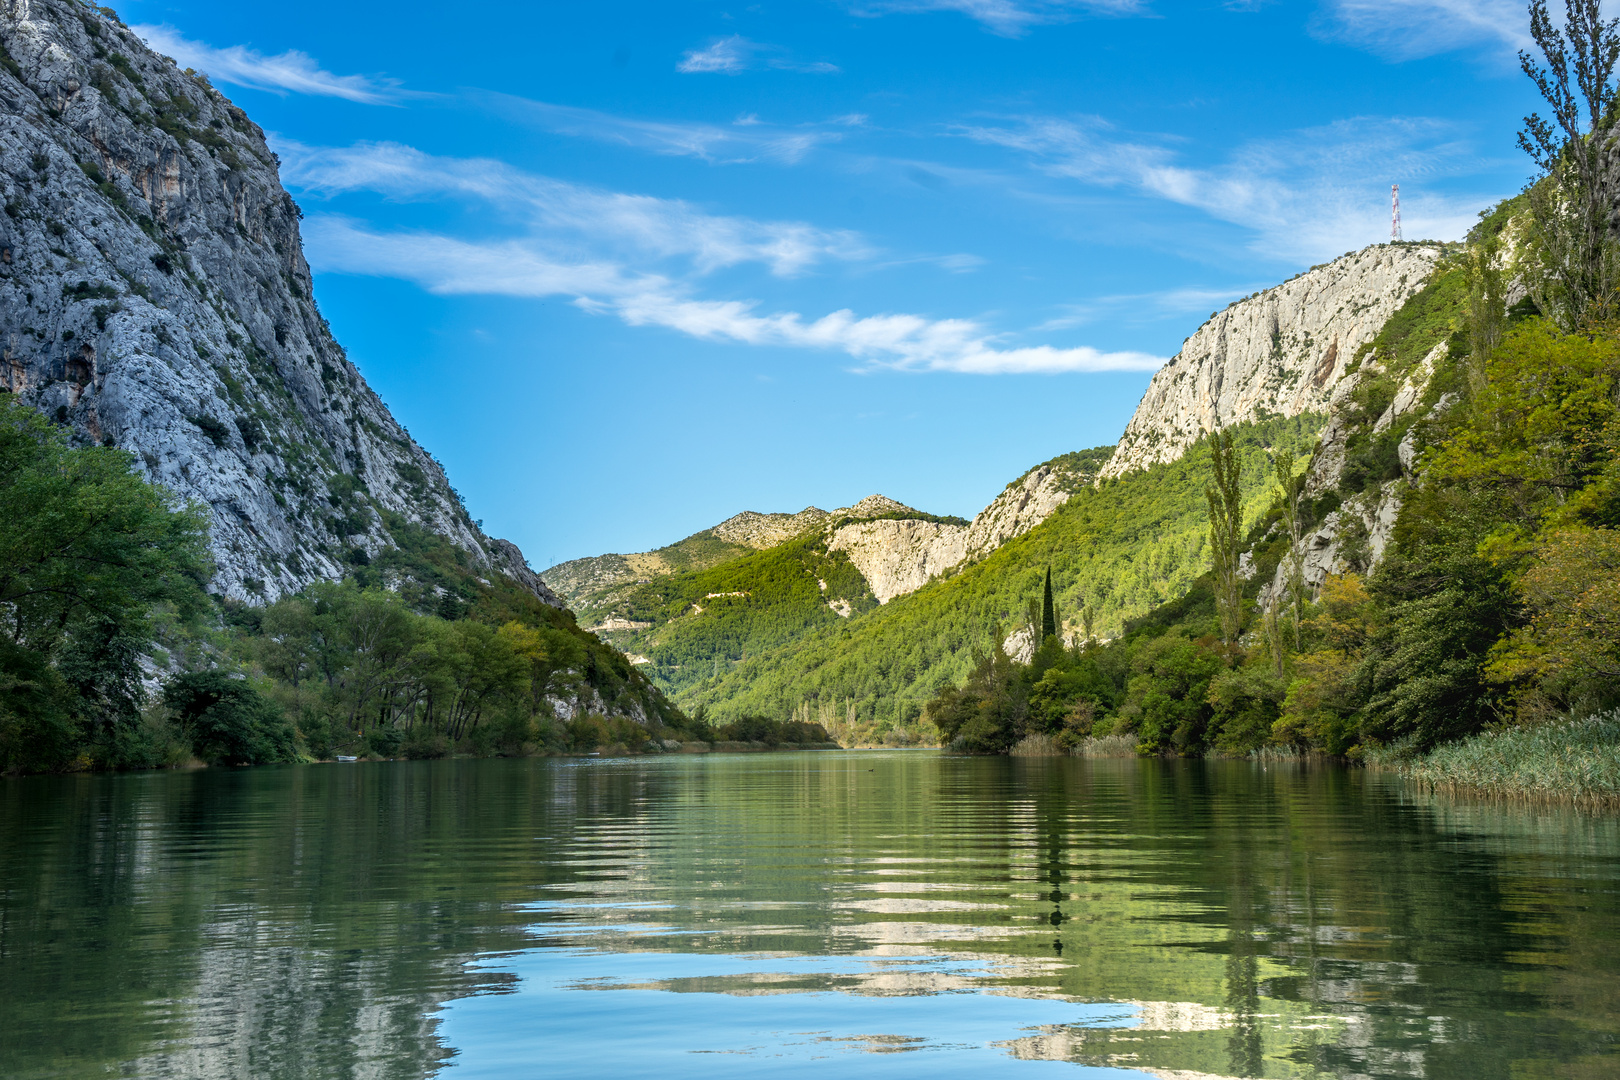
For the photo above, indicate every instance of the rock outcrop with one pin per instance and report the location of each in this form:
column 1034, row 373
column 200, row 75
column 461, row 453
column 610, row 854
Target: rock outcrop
column 898, row 556
column 585, row 583
column 762, row 531
column 154, row 296
column 1282, row 351
column 1355, row 535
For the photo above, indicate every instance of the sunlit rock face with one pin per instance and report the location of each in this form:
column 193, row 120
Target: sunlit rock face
column 900, row 557
column 154, row 296
column 1368, row 517
column 1282, row 351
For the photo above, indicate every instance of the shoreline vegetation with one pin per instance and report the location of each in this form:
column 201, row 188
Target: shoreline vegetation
column 1563, row 761
column 1467, row 637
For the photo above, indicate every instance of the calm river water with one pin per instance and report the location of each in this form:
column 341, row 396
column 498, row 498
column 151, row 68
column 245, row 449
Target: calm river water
column 831, row 914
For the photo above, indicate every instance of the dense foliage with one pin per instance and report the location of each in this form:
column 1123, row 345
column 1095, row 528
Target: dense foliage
column 1496, row 603
column 707, row 621
column 113, row 656
column 91, row 556
column 1116, row 552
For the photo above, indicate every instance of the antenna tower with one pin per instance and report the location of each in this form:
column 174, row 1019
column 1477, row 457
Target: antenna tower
column 1395, row 212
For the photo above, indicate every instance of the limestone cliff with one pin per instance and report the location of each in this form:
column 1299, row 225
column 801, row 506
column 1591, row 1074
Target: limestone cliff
column 1355, row 535
column 1281, row 351
column 590, row 585
column 154, row 296
column 899, row 556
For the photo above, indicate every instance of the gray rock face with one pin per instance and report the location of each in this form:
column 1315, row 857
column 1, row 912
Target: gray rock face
column 154, row 296
column 762, row 531
column 582, row 581
column 1371, row 514
column 1282, row 351
column 900, row 557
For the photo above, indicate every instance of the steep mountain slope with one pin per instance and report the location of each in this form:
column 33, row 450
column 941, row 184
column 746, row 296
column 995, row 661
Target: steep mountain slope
column 1122, row 548
column 154, row 296
column 1281, row 351
column 1369, row 452
column 899, row 556
column 1349, row 338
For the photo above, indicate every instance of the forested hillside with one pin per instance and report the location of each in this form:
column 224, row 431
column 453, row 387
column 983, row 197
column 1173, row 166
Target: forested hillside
column 114, row 656
column 1467, row 497
column 1119, row 549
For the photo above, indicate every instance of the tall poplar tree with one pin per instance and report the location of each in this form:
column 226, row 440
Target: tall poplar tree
column 1579, row 282
column 1226, row 533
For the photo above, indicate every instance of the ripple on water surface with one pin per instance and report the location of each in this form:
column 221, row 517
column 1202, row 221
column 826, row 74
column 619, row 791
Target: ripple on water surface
column 899, row 913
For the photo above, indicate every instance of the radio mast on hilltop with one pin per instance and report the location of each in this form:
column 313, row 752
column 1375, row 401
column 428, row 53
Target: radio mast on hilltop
column 1395, row 213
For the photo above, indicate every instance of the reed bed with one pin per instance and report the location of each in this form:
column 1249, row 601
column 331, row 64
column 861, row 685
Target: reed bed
column 1040, row 745
column 1107, row 746
column 1566, row 761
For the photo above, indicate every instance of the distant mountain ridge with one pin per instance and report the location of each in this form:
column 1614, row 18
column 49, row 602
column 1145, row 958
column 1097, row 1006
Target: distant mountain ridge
column 585, row 584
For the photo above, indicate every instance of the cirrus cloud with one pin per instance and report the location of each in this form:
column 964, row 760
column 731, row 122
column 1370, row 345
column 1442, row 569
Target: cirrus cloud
column 291, row 71
column 451, row 266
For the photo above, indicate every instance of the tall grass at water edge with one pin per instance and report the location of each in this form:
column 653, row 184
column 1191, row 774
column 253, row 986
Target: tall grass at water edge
column 1104, row 746
column 1568, row 760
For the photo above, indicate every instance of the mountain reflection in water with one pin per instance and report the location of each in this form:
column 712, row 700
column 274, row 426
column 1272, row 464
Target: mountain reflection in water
column 797, row 913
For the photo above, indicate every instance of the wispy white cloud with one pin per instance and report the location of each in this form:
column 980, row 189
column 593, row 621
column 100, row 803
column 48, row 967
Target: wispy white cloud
column 728, row 56
column 1009, row 18
column 1314, row 193
column 736, row 54
column 636, row 226
column 1407, row 29
column 635, row 257
column 447, row 265
column 289, row 71
column 747, row 139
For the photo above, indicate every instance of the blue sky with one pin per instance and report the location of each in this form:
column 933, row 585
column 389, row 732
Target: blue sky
column 629, row 268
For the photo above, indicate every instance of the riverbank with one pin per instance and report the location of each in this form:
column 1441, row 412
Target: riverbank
column 1575, row 761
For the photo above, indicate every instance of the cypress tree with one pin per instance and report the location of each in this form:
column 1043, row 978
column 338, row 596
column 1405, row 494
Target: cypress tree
column 1048, row 610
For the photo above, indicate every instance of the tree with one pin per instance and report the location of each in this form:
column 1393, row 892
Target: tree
column 1290, row 488
column 1226, row 533
column 1579, row 278
column 1571, row 649
column 1049, row 626
column 228, row 721
column 88, row 551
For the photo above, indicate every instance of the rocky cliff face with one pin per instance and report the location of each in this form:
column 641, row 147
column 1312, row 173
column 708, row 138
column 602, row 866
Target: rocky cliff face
column 897, row 549
column 154, row 296
column 900, row 557
column 586, row 584
column 762, row 531
column 1355, row 536
column 1281, row 351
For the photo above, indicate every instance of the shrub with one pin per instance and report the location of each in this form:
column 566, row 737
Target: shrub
column 228, row 721
column 423, row 743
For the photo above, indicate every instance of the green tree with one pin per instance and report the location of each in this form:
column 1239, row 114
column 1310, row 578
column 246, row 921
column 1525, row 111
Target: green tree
column 228, row 721
column 1578, row 261
column 1290, row 486
column 1226, row 533
column 1049, row 626
column 88, row 551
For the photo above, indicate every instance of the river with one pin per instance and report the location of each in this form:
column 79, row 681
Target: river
column 853, row 914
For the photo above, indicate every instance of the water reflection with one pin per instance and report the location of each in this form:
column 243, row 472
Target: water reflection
column 885, row 913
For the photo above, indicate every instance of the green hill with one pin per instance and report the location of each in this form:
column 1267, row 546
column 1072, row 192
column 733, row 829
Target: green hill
column 1123, row 548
